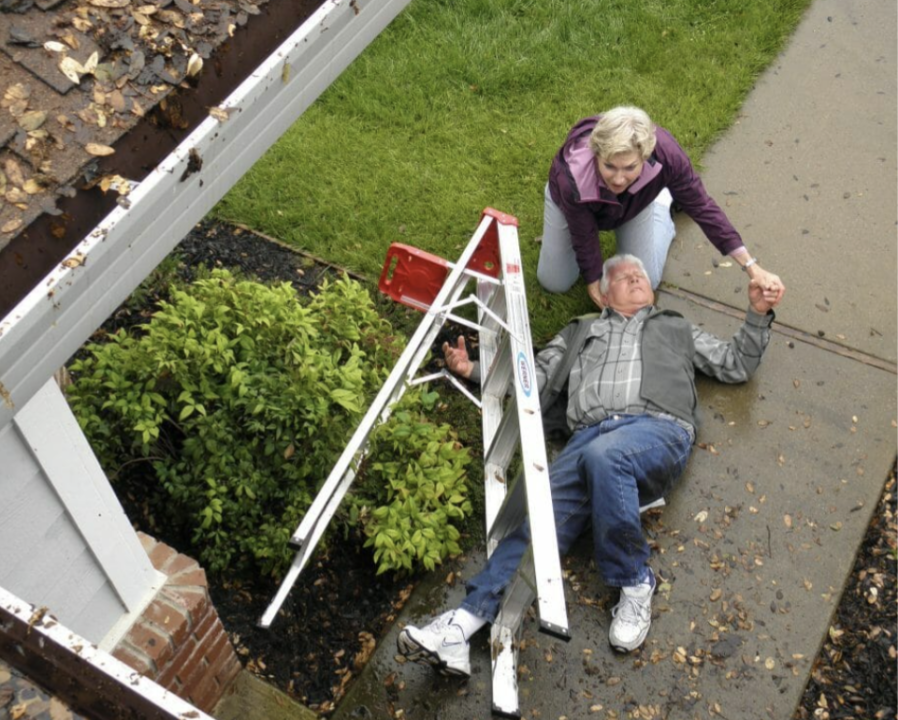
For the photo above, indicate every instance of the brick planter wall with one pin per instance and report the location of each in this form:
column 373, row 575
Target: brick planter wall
column 179, row 641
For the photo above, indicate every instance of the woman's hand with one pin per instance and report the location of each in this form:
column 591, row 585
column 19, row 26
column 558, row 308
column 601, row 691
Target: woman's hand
column 770, row 284
column 595, row 294
column 457, row 359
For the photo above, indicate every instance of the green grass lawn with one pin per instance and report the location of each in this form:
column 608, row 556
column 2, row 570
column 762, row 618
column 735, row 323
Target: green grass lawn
column 461, row 104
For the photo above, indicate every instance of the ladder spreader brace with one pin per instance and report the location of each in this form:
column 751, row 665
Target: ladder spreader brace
column 509, row 404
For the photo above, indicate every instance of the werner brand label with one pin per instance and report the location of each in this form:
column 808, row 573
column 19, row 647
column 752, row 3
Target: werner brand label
column 525, row 374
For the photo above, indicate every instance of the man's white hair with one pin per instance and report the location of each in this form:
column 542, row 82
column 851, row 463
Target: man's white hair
column 613, row 262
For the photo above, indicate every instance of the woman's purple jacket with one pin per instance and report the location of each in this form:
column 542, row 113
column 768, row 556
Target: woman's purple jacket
column 589, row 206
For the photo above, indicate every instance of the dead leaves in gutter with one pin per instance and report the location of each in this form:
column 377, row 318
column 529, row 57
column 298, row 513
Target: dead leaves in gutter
column 153, row 48
column 98, row 150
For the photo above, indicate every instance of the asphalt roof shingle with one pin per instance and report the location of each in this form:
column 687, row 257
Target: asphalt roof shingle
column 77, row 75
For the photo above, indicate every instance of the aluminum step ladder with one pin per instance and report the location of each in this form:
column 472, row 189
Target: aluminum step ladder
column 512, row 426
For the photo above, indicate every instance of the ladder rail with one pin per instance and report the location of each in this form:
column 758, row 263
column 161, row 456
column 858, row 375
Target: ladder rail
column 504, row 654
column 300, row 560
column 550, row 589
column 495, row 356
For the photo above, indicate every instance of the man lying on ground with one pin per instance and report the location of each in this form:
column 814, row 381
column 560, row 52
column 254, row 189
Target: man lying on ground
column 632, row 407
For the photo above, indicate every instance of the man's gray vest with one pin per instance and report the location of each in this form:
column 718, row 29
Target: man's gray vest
column 668, row 375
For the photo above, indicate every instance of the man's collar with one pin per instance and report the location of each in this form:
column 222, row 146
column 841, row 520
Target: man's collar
column 608, row 312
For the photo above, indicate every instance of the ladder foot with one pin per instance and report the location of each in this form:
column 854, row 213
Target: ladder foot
column 504, row 712
column 562, row 633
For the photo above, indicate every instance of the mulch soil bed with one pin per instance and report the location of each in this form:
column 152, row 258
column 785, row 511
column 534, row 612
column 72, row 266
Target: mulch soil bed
column 339, row 610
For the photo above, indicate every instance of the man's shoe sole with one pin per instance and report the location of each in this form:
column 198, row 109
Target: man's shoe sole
column 416, row 652
column 624, row 649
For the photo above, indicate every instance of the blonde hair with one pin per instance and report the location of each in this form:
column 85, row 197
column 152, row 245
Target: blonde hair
column 623, row 129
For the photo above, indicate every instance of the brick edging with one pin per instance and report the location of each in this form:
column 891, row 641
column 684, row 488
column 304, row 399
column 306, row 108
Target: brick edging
column 179, row 641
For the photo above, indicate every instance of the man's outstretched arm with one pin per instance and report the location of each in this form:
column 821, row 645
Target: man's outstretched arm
column 736, row 360
column 459, row 362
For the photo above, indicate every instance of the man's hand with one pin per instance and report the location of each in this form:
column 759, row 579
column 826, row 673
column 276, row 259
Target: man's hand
column 595, row 294
column 457, row 359
column 760, row 297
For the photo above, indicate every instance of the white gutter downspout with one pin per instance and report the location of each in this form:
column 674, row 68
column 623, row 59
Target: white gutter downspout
column 49, row 325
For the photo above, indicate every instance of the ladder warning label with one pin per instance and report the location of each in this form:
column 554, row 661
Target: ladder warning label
column 514, row 278
column 525, row 375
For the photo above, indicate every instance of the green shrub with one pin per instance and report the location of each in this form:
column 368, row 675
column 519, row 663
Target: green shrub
column 243, row 399
column 412, row 490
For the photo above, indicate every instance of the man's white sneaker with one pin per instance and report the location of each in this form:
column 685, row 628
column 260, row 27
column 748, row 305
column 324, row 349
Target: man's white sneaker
column 632, row 616
column 441, row 644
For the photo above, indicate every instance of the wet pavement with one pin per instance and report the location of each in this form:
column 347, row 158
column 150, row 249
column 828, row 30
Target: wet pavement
column 757, row 542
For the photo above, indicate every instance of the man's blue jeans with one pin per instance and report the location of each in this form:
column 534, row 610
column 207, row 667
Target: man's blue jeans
column 600, row 480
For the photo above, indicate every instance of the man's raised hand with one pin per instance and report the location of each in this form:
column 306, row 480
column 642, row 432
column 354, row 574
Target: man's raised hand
column 457, row 359
column 760, row 298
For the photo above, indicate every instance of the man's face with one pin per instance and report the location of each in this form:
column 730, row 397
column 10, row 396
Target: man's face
column 620, row 171
column 628, row 290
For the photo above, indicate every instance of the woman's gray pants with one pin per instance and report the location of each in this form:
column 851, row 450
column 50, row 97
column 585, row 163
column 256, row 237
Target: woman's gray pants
column 647, row 236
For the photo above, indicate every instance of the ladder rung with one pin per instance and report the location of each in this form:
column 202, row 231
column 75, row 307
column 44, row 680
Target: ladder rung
column 511, row 513
column 505, row 442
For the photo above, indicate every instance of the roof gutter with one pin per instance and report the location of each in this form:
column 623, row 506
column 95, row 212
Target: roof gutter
column 49, row 325
column 88, row 678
